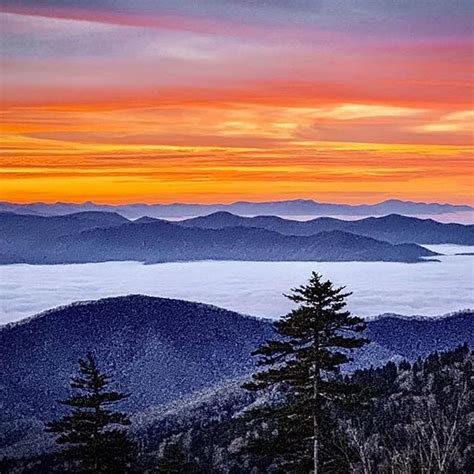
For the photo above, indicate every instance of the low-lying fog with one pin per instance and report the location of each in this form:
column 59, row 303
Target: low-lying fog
column 431, row 288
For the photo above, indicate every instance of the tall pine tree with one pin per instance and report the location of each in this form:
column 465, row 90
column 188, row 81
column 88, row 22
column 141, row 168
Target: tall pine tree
column 303, row 366
column 94, row 441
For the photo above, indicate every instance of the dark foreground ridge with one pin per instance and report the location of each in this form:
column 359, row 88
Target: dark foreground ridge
column 162, row 350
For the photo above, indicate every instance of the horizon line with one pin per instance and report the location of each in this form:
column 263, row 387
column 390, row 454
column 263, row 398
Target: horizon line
column 209, row 204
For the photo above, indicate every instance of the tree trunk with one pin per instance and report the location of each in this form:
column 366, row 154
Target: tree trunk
column 316, row 375
column 315, row 421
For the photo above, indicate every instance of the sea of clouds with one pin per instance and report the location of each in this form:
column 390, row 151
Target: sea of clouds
column 430, row 288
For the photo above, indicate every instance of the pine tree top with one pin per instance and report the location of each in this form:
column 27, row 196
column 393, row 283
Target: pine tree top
column 92, row 385
column 320, row 333
column 91, row 431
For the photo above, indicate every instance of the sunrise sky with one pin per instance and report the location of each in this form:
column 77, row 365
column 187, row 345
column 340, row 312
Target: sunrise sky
column 222, row 100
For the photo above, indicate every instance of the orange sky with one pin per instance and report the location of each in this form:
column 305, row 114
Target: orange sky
column 112, row 108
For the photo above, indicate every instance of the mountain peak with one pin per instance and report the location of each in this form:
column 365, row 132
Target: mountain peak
column 221, row 214
column 397, row 218
column 95, row 214
column 217, row 217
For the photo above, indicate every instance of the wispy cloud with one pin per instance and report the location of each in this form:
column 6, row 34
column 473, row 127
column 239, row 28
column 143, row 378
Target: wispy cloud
column 166, row 100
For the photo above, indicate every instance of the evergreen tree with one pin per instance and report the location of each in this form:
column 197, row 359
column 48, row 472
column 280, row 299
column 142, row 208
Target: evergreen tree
column 94, row 442
column 303, row 365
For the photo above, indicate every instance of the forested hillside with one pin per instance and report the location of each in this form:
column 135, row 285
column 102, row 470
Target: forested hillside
column 163, row 350
column 416, row 417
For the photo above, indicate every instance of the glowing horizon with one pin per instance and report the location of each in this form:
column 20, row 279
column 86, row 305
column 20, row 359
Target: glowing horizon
column 225, row 101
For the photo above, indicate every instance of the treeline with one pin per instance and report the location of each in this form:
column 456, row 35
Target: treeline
column 297, row 414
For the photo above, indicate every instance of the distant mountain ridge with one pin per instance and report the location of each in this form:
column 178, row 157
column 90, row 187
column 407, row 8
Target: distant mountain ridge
column 393, row 228
column 161, row 350
column 99, row 237
column 295, row 207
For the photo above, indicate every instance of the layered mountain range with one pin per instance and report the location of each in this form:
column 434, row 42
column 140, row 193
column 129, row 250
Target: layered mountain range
column 393, row 228
column 295, row 207
column 104, row 236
